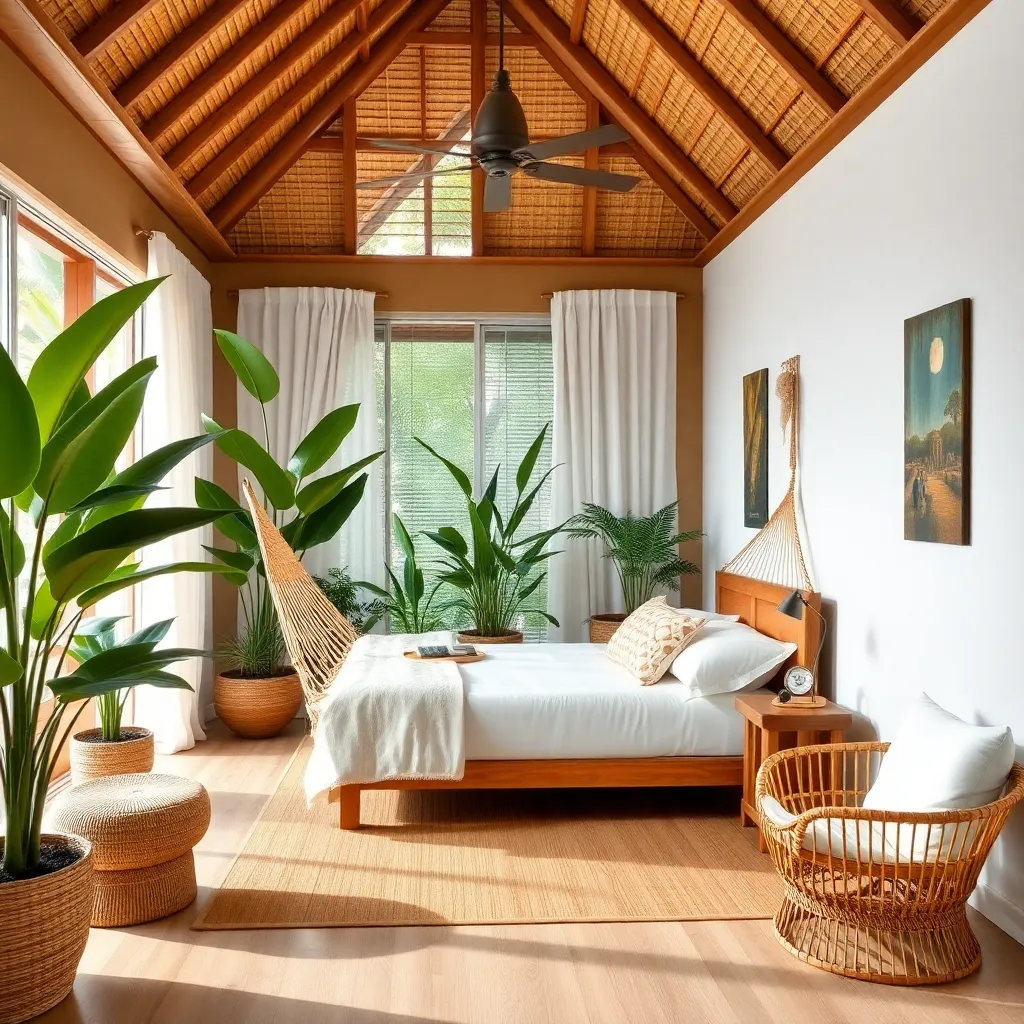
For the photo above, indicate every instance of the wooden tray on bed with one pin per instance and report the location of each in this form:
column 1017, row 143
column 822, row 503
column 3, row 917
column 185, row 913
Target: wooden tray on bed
column 459, row 659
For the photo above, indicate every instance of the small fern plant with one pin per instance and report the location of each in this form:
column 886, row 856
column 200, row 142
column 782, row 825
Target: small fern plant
column 644, row 549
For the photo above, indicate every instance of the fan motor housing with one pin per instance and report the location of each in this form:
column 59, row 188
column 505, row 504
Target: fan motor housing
column 500, row 124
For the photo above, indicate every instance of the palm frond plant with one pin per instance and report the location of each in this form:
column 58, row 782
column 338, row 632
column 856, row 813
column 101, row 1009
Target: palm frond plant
column 308, row 510
column 644, row 549
column 496, row 572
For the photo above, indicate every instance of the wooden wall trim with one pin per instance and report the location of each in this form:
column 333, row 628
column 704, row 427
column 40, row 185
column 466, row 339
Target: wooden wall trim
column 457, row 261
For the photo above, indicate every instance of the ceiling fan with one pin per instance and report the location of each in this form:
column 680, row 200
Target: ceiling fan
column 501, row 147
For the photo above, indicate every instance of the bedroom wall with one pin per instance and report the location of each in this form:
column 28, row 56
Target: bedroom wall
column 54, row 157
column 921, row 205
column 457, row 287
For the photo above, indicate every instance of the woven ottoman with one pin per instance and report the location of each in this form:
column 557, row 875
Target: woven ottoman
column 142, row 829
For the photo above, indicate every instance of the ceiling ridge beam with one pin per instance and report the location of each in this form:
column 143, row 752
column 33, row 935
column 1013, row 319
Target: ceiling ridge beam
column 579, row 18
column 700, row 78
column 786, row 53
column 226, row 64
column 347, row 50
column 248, row 192
column 251, row 91
column 102, row 32
column 178, row 47
column 599, row 82
column 898, row 24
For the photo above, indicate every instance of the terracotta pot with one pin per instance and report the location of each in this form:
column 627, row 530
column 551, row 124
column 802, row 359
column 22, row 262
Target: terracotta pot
column 257, row 708
column 604, row 626
column 95, row 758
column 44, row 926
column 472, row 636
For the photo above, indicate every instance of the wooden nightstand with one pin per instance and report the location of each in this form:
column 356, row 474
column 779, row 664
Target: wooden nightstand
column 769, row 729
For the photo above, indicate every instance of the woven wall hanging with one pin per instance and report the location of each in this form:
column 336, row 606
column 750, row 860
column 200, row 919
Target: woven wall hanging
column 775, row 554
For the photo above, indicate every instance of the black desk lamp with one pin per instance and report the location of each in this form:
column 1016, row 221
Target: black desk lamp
column 801, row 685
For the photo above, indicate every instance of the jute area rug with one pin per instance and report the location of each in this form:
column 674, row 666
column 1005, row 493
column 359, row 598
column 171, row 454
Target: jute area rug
column 495, row 857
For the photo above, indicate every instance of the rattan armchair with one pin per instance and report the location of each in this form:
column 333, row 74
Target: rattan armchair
column 876, row 895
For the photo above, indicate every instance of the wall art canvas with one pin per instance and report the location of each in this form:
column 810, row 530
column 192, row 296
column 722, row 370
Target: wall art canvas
column 755, row 448
column 937, row 425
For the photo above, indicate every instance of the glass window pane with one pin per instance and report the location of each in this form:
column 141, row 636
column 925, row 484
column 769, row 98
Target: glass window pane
column 40, row 299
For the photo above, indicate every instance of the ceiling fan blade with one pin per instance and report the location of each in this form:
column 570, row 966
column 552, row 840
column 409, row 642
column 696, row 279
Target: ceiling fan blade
column 442, row 148
column 582, row 176
column 411, row 179
column 565, row 145
column 497, row 194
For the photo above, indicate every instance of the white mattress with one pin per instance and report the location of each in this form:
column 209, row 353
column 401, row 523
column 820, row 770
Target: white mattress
column 569, row 700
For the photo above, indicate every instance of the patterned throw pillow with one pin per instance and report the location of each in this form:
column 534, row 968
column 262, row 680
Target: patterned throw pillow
column 649, row 640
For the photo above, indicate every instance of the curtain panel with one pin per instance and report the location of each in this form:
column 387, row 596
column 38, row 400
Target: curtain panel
column 613, row 436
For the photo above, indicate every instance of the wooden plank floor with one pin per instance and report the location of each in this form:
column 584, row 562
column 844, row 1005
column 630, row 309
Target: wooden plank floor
column 674, row 972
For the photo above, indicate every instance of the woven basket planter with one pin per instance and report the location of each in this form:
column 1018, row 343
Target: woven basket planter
column 257, row 708
column 93, row 758
column 472, row 636
column 604, row 626
column 44, row 926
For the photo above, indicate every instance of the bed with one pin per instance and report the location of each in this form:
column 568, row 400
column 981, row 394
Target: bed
column 536, row 719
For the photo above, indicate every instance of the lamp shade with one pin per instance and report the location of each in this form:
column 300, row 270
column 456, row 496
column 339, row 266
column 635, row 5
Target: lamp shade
column 793, row 605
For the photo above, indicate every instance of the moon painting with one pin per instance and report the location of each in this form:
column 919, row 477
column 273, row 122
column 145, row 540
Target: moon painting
column 936, row 425
column 755, row 449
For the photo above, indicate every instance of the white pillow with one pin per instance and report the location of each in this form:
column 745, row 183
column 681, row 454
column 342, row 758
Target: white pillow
column 728, row 656
column 696, row 613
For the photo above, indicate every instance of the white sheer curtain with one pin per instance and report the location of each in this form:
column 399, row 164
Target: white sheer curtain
column 321, row 342
column 178, row 330
column 614, row 432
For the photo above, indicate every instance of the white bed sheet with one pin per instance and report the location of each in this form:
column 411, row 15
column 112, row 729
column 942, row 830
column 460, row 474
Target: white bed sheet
column 549, row 701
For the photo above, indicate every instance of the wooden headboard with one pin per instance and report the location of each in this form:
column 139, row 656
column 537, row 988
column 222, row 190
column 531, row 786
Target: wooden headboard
column 756, row 603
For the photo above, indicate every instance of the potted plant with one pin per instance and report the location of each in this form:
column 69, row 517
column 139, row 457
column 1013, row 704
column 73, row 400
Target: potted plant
column 259, row 693
column 343, row 592
column 645, row 552
column 83, row 522
column 496, row 572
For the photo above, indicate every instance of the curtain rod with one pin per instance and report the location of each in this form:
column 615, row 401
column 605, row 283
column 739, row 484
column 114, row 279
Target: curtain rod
column 144, row 231
column 550, row 295
column 233, row 294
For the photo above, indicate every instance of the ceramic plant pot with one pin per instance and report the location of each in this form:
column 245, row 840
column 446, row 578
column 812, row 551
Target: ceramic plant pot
column 92, row 757
column 257, row 708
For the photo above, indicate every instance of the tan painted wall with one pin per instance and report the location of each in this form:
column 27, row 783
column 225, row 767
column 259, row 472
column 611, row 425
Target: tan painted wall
column 456, row 287
column 46, row 148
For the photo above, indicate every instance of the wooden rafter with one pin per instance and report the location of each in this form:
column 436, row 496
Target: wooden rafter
column 477, row 90
column 599, row 82
column 256, row 86
column 269, row 170
column 333, row 143
column 362, row 19
column 345, row 52
column 591, row 161
column 349, row 173
column 898, row 24
column 579, row 17
column 428, row 184
column 200, row 87
column 694, row 72
column 180, row 46
column 102, row 32
column 786, row 53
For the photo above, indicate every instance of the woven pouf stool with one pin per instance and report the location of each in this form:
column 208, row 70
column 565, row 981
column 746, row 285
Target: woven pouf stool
column 142, row 829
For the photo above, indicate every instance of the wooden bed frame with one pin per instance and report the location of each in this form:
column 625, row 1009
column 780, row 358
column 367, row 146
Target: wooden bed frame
column 754, row 601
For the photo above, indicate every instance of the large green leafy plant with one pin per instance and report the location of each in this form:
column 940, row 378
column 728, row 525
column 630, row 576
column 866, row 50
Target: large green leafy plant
column 59, row 447
column 309, row 512
column 644, row 549
column 496, row 572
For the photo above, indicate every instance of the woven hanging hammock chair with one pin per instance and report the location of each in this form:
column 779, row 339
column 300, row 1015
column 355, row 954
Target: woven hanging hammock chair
column 317, row 635
column 775, row 554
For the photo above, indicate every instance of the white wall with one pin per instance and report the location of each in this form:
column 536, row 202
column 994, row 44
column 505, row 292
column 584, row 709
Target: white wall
column 921, row 205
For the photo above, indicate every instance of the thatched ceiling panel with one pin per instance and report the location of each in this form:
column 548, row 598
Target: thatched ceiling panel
column 861, row 55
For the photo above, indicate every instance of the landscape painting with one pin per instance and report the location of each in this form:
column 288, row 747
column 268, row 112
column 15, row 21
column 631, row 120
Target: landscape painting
column 937, row 419
column 755, row 448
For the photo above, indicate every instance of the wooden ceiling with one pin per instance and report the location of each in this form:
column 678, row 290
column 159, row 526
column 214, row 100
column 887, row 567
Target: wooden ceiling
column 249, row 120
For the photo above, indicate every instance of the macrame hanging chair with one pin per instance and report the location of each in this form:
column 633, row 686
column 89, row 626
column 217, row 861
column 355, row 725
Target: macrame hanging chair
column 775, row 554
column 317, row 635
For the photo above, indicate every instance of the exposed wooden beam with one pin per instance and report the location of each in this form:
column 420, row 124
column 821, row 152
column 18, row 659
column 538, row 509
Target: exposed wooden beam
column 332, row 143
column 269, row 170
column 102, row 32
column 694, row 72
column 167, row 116
column 431, row 162
column 786, row 53
column 896, row 22
column 179, row 46
column 591, row 161
column 349, row 173
column 579, row 17
column 47, row 50
column 477, row 91
column 933, row 36
column 345, row 52
column 362, row 19
column 457, row 38
column 599, row 82
column 305, row 41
